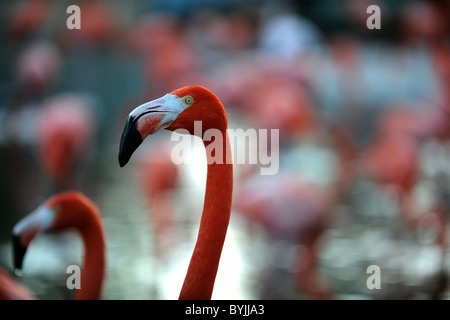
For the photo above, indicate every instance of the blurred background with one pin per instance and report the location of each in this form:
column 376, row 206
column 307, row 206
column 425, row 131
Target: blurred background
column 364, row 120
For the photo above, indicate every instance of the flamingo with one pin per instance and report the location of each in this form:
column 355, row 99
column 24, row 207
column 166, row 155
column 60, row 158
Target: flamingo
column 65, row 130
column 36, row 74
column 11, row 289
column 178, row 110
column 66, row 210
column 393, row 162
column 292, row 210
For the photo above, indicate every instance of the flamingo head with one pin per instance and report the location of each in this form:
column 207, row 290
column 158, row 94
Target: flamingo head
column 62, row 211
column 179, row 109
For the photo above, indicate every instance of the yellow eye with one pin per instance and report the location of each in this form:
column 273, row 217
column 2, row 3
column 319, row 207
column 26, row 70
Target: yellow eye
column 188, row 100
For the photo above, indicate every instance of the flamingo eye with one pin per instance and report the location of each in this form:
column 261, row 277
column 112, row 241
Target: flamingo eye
column 188, row 100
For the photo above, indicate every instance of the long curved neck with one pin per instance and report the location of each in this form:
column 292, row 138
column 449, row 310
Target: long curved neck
column 201, row 274
column 93, row 269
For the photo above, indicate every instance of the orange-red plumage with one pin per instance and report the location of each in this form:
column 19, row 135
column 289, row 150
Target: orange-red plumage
column 208, row 109
column 71, row 210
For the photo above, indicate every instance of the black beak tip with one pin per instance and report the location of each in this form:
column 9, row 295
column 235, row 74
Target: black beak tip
column 122, row 161
column 18, row 252
column 129, row 142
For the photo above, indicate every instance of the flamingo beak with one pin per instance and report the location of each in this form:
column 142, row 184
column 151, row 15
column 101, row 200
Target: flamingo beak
column 145, row 120
column 131, row 139
column 19, row 251
column 26, row 229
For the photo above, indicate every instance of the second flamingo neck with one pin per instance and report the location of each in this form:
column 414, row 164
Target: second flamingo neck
column 93, row 269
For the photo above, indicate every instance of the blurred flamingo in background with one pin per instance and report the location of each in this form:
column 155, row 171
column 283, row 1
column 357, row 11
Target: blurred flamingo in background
column 159, row 178
column 169, row 58
column 404, row 129
column 297, row 203
column 178, row 110
column 29, row 17
column 270, row 95
column 66, row 130
column 63, row 211
column 393, row 161
column 278, row 100
column 11, row 289
column 37, row 70
column 291, row 210
column 297, row 206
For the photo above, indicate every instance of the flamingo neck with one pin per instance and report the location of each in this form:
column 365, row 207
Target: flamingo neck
column 201, row 274
column 93, row 269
